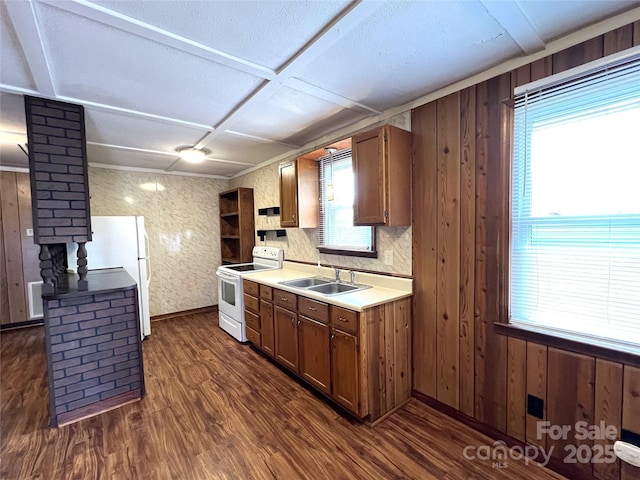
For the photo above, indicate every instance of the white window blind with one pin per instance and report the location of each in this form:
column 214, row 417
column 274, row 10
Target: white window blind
column 575, row 230
column 336, row 216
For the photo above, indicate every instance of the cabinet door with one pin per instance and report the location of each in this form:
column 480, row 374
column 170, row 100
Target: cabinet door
column 266, row 327
column 369, row 176
column 286, row 337
column 315, row 353
column 288, row 195
column 344, row 370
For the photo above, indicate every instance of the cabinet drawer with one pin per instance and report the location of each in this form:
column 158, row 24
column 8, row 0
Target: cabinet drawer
column 252, row 320
column 314, row 309
column 250, row 287
column 343, row 319
column 266, row 292
column 285, row 299
column 253, row 336
column 251, row 304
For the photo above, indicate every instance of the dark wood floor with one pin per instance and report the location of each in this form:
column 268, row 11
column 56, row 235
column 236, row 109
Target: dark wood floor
column 218, row 409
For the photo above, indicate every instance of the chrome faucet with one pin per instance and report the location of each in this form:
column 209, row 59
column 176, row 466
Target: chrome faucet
column 337, row 270
column 352, row 277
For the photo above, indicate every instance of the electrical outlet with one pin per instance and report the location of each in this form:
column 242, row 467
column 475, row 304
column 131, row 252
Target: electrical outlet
column 535, row 406
column 388, row 257
column 29, row 232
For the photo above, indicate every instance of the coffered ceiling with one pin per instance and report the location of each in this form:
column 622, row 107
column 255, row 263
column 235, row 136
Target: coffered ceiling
column 251, row 81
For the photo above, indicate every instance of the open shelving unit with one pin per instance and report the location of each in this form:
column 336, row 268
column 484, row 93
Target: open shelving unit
column 237, row 234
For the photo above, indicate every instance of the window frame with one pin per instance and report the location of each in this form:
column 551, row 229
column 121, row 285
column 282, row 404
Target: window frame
column 577, row 342
column 337, row 250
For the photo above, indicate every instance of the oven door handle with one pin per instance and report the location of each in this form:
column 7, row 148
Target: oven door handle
column 228, row 276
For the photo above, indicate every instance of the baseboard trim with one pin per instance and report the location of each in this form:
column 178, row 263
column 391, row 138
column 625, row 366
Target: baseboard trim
column 183, row 313
column 97, row 408
column 554, row 464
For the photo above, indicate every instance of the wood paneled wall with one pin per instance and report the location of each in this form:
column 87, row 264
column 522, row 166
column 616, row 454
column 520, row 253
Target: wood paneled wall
column 19, row 263
column 460, row 236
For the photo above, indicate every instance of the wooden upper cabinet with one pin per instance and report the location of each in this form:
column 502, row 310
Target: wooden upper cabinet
column 382, row 173
column 299, row 191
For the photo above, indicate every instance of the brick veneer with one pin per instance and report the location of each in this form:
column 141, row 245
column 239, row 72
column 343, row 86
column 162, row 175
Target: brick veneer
column 95, row 351
column 58, row 171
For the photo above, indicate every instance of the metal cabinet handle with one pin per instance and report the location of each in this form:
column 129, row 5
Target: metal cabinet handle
column 342, row 319
column 292, row 320
column 313, row 309
column 283, row 299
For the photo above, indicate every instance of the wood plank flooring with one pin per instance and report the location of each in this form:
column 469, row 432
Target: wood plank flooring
column 216, row 409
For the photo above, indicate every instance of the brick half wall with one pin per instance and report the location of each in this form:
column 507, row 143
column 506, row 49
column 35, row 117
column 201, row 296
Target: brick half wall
column 94, row 348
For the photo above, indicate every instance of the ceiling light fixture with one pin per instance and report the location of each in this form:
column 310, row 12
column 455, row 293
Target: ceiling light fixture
column 192, row 154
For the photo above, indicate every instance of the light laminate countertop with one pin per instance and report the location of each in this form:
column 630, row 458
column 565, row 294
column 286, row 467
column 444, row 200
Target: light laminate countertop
column 384, row 289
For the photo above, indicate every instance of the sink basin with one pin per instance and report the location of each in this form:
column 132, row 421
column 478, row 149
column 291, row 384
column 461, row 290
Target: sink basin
column 336, row 288
column 305, row 282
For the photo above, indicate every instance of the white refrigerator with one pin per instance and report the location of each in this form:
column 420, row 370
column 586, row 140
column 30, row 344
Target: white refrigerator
column 120, row 242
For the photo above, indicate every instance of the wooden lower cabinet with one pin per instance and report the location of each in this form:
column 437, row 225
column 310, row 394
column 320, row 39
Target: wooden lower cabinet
column 361, row 360
column 344, row 370
column 285, row 324
column 315, row 355
column 266, row 327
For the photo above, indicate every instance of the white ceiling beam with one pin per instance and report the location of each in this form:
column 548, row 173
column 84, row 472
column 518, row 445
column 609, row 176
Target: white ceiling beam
column 151, row 32
column 260, row 139
column 352, row 16
column 23, row 18
column 323, row 94
column 516, row 23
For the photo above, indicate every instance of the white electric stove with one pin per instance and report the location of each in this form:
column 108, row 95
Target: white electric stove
column 230, row 291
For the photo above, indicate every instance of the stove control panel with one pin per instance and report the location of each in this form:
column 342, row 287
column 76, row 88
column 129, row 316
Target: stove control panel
column 272, row 253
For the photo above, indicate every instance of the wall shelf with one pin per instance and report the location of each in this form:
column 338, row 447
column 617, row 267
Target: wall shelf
column 279, row 233
column 269, row 211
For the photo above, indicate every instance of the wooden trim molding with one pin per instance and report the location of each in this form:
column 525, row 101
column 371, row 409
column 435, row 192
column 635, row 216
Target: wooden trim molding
column 567, row 344
column 554, row 464
column 183, row 313
column 99, row 407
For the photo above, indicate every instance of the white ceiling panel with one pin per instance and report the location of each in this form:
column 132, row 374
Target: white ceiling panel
column 552, row 20
column 95, row 62
column 209, row 168
column 242, row 149
column 340, row 119
column 128, row 158
column 267, row 33
column 448, row 41
column 13, row 66
column 117, row 129
column 285, row 113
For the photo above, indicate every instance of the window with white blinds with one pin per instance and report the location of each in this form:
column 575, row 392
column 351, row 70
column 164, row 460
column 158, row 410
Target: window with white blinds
column 337, row 231
column 575, row 224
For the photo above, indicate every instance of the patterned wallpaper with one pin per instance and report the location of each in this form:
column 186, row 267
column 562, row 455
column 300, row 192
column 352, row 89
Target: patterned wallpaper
column 300, row 244
column 181, row 218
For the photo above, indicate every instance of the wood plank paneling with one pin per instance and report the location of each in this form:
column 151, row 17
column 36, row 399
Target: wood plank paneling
column 608, row 409
column 570, row 399
column 541, row 68
column 12, row 248
column 448, row 273
column 516, row 388
column 536, row 386
column 578, row 54
column 631, row 414
column 30, row 251
column 402, row 345
column 618, row 40
column 467, row 247
column 491, row 348
column 5, row 313
column 424, row 244
column 636, row 33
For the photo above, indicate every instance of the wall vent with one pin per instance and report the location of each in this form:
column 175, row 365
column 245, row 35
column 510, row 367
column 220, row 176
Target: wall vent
column 35, row 300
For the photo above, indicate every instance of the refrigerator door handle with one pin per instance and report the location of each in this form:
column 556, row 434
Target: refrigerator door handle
column 147, row 257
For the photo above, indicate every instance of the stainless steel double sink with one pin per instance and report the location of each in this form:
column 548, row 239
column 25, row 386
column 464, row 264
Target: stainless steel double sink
column 324, row 286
